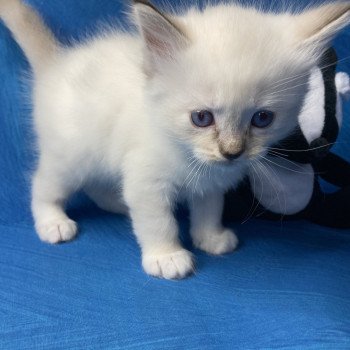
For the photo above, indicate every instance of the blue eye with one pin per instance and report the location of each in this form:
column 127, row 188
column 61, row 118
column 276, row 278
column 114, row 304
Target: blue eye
column 202, row 119
column 263, row 119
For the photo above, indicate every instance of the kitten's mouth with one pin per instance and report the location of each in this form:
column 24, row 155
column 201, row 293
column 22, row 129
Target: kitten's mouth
column 229, row 163
column 224, row 162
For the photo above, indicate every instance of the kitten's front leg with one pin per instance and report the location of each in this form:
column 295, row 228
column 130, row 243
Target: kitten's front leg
column 156, row 230
column 207, row 231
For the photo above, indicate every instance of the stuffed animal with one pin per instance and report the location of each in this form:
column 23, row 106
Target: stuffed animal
column 286, row 184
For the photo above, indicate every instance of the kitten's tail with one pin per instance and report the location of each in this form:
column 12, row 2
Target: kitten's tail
column 29, row 30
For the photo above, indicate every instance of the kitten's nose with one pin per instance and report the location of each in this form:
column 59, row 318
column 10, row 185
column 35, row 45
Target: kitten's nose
column 233, row 156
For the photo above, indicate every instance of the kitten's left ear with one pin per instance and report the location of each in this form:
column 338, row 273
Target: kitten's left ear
column 318, row 26
column 162, row 36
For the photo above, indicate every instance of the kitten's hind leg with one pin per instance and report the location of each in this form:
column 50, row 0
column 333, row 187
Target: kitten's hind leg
column 49, row 193
column 107, row 199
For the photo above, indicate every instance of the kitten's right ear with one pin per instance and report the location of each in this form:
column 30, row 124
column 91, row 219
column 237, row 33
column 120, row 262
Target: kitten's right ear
column 162, row 36
column 319, row 25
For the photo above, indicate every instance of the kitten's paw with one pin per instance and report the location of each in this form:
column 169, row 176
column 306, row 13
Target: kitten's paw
column 61, row 230
column 176, row 265
column 216, row 243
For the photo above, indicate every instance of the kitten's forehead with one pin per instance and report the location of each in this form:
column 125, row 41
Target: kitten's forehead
column 230, row 32
column 227, row 23
column 237, row 51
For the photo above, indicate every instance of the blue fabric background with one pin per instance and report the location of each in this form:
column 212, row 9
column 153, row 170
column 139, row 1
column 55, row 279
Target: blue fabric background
column 287, row 287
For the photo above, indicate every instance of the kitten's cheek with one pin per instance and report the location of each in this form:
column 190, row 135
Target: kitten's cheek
column 254, row 154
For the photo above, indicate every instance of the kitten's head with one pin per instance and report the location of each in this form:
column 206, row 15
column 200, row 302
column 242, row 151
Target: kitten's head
column 228, row 82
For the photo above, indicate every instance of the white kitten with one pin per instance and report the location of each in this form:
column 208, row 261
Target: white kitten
column 176, row 113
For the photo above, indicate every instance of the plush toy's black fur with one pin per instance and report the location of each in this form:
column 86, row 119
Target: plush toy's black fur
column 328, row 209
column 332, row 209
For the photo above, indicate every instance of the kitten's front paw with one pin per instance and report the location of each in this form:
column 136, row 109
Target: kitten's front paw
column 175, row 265
column 61, row 230
column 216, row 243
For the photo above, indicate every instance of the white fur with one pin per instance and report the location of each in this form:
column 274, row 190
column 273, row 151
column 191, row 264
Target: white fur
column 282, row 186
column 116, row 111
column 312, row 116
column 342, row 82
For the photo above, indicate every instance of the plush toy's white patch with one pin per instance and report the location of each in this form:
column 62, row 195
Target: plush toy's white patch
column 342, row 82
column 312, row 116
column 284, row 187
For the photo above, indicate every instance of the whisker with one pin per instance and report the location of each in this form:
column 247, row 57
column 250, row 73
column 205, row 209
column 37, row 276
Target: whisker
column 256, row 206
column 194, row 164
column 288, row 161
column 191, row 161
column 252, row 208
column 286, row 168
column 284, row 81
column 304, row 150
column 291, row 88
column 194, row 177
column 276, row 191
column 272, row 91
column 193, row 173
column 200, row 173
column 278, row 153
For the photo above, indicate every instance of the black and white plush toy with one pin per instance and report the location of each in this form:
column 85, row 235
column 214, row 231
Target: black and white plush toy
column 286, row 183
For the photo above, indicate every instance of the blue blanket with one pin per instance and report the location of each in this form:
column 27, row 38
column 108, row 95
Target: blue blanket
column 287, row 287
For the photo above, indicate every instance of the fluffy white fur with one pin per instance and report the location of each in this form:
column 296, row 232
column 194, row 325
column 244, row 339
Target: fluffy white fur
column 113, row 115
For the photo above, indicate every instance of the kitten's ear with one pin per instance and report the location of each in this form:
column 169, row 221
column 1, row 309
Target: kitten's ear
column 318, row 26
column 162, row 36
